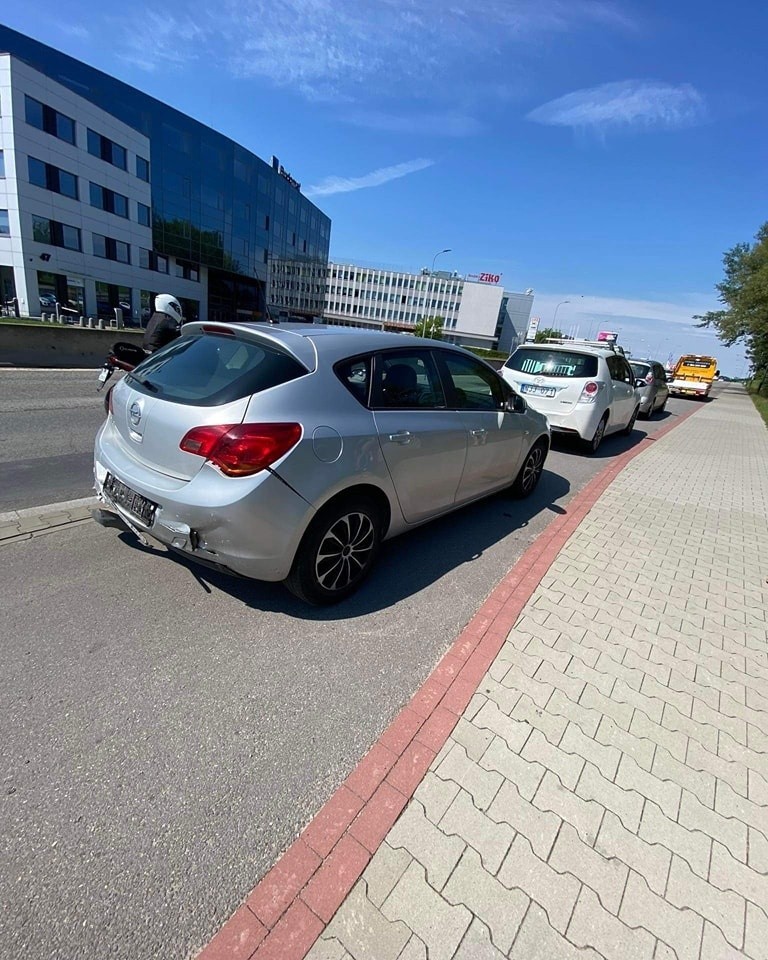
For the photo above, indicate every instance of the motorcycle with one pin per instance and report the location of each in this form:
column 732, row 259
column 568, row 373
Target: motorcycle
column 123, row 356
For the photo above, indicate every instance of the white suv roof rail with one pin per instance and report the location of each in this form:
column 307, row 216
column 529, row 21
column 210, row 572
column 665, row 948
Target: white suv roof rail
column 596, row 344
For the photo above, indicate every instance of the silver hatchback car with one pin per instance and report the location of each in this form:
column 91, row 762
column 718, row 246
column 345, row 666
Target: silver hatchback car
column 289, row 452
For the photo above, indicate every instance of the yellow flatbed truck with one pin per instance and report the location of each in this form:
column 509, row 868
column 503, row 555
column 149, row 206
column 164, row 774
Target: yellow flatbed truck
column 693, row 376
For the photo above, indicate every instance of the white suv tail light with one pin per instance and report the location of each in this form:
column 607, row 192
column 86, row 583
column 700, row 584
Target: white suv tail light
column 590, row 391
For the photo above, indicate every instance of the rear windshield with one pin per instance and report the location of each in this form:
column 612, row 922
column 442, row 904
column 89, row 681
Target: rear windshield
column 553, row 363
column 702, row 363
column 640, row 370
column 209, row 370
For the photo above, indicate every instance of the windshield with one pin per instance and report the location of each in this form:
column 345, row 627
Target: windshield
column 209, row 370
column 553, row 363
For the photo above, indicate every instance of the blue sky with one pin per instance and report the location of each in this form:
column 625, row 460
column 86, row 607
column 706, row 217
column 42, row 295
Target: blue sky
column 605, row 153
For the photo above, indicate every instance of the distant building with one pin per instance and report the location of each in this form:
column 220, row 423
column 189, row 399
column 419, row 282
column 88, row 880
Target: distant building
column 475, row 313
column 108, row 197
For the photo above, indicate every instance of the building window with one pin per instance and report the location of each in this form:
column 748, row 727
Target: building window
column 142, row 169
column 187, row 271
column 2, row 164
column 49, row 120
column 144, row 215
column 52, row 178
column 5, row 225
column 56, row 234
column 108, row 200
column 110, row 249
column 107, row 150
column 149, row 260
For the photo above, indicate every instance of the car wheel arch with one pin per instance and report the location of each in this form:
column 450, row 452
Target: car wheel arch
column 368, row 491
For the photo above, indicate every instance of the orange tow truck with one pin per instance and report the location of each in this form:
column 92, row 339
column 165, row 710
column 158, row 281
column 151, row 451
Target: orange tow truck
column 693, row 376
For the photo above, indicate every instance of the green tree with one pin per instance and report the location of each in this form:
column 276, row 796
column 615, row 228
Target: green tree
column 547, row 333
column 431, row 327
column 744, row 293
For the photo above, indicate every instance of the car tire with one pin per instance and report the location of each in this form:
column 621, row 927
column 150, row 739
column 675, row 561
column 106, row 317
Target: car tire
column 631, row 425
column 530, row 472
column 663, row 407
column 592, row 446
column 337, row 552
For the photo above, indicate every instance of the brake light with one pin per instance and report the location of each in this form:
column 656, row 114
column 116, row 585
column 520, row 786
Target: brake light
column 589, row 392
column 649, row 378
column 218, row 328
column 240, row 450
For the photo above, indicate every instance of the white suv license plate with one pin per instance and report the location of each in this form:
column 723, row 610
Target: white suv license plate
column 538, row 391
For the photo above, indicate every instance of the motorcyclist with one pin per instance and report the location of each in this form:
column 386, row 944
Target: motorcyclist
column 164, row 324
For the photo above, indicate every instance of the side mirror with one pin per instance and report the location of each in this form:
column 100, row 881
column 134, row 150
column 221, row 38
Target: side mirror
column 717, row 373
column 639, row 382
column 515, row 404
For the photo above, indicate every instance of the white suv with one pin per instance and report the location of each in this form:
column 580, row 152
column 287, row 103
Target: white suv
column 584, row 388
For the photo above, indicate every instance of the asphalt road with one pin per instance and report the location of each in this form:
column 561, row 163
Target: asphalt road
column 168, row 731
column 48, row 419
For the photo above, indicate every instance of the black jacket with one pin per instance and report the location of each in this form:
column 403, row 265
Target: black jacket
column 161, row 329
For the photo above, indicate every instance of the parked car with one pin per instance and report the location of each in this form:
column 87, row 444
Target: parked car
column 289, row 452
column 651, row 383
column 585, row 388
column 47, row 302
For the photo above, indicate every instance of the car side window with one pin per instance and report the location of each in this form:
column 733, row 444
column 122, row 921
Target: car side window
column 628, row 376
column 355, row 374
column 470, row 385
column 615, row 368
column 406, row 379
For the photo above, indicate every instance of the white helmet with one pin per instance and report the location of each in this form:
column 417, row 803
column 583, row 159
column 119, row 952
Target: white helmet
column 166, row 303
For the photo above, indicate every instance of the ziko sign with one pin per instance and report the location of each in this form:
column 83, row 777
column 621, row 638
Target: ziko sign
column 484, row 277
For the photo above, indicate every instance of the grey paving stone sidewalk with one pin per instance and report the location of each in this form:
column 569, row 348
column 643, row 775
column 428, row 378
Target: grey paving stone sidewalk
column 606, row 792
column 34, row 521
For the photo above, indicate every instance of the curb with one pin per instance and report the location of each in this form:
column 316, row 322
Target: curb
column 31, row 521
column 292, row 904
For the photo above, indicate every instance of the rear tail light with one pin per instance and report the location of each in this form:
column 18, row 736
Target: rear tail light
column 242, row 449
column 108, row 401
column 649, row 378
column 589, row 392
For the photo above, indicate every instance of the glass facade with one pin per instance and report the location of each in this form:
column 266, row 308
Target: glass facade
column 213, row 202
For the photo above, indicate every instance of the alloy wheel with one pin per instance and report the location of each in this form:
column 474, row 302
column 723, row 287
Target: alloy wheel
column 534, row 464
column 345, row 551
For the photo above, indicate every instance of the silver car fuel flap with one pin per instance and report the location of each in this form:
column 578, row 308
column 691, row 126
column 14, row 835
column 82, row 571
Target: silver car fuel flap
column 122, row 495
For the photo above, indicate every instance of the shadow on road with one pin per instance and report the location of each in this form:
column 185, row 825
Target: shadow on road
column 407, row 563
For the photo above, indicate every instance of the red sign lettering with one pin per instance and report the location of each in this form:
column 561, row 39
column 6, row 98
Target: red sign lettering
column 490, row 277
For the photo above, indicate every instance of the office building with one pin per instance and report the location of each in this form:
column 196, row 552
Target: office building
column 108, row 196
column 476, row 312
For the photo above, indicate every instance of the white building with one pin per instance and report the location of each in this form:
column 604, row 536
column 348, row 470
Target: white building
column 108, row 197
column 475, row 313
column 75, row 209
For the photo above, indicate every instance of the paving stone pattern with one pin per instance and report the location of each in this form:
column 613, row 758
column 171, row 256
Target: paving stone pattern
column 606, row 791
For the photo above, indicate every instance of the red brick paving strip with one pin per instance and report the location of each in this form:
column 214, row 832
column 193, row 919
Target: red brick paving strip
column 291, row 906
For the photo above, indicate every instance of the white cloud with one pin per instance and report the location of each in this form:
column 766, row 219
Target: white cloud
column 76, row 30
column 328, row 49
column 375, row 178
column 627, row 103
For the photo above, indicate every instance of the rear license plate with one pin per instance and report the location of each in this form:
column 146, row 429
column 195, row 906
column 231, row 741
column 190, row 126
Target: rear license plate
column 538, row 391
column 103, row 375
column 133, row 502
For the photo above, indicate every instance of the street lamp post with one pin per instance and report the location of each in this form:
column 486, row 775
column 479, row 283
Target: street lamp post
column 554, row 318
column 430, row 285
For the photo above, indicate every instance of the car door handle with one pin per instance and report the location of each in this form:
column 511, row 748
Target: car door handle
column 478, row 433
column 405, row 436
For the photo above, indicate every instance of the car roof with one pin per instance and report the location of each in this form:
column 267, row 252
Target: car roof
column 308, row 342
column 572, row 347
